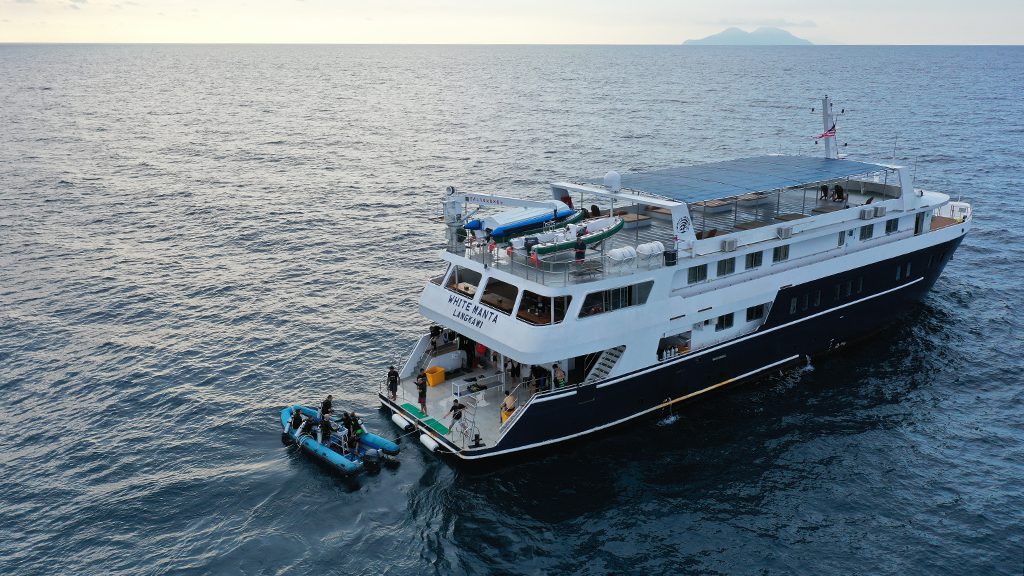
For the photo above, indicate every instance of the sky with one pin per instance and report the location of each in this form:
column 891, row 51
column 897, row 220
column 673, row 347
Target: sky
column 507, row 22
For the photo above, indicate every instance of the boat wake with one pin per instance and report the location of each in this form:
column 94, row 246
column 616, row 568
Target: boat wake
column 668, row 420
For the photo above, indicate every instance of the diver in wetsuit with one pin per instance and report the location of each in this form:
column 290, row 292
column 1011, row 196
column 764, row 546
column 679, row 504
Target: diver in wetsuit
column 296, row 420
column 326, row 407
column 306, row 428
column 326, row 429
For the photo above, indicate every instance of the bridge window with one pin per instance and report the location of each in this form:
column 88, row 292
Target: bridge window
column 616, row 298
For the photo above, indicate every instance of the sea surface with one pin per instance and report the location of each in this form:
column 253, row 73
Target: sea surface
column 192, row 237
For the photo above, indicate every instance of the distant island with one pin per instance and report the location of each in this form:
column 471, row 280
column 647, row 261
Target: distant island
column 764, row 36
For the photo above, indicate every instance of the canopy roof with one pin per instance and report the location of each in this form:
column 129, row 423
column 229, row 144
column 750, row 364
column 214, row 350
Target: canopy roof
column 742, row 176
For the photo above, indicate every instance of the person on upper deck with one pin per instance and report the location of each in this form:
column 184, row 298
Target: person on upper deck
column 393, row 383
column 581, row 248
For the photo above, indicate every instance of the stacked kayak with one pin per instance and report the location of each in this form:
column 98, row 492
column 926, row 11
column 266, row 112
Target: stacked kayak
column 336, row 451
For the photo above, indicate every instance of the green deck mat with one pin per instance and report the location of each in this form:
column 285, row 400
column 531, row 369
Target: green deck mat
column 437, row 426
column 414, row 411
column 434, row 424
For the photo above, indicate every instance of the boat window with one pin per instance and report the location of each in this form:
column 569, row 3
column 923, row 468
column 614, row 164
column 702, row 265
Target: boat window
column 440, row 279
column 755, row 312
column 621, row 297
column 780, row 253
column 697, row 274
column 842, row 238
column 754, row 259
column 723, row 322
column 499, row 295
column 542, row 310
column 464, row 281
column 675, row 345
column 867, row 231
column 726, row 267
column 892, row 225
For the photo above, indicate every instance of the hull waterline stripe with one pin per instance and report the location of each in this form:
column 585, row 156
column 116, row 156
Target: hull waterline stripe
column 627, row 418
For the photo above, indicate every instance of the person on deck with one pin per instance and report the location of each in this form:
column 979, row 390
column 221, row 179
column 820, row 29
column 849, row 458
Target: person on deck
column 581, row 249
column 326, row 407
column 393, row 383
column 559, row 375
column 421, row 390
column 456, row 411
column 508, row 406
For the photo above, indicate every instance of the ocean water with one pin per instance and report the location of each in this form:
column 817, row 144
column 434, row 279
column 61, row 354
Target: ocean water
column 193, row 236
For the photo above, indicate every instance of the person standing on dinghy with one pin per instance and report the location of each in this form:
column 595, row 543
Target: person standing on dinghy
column 326, row 407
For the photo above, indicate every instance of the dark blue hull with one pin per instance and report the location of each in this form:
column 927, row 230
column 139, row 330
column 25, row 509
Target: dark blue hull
column 806, row 320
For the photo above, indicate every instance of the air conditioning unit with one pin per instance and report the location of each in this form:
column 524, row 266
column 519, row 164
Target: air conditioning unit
column 729, row 245
column 784, row 232
column 879, row 211
column 867, row 213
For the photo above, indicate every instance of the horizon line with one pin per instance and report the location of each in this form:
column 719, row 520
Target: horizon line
column 680, row 44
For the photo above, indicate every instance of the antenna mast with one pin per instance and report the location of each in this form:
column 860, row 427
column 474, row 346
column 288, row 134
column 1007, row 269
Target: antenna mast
column 828, row 121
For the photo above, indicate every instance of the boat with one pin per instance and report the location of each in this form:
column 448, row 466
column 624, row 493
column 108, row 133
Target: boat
column 594, row 231
column 370, row 447
column 506, row 224
column 730, row 271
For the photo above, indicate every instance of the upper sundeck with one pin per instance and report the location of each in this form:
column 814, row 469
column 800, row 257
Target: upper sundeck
column 699, row 210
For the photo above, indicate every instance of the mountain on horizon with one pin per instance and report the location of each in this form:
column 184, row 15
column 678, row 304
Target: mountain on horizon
column 763, row 36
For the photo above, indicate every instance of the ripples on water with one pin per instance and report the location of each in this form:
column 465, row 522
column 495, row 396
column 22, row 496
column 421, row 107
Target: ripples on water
column 194, row 236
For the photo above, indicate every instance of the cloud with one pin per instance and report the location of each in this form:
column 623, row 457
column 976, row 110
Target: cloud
column 777, row 22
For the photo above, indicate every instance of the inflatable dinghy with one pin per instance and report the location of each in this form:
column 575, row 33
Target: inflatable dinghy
column 593, row 231
column 508, row 223
column 335, row 451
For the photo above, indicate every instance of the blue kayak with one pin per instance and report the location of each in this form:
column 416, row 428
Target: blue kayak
column 336, row 453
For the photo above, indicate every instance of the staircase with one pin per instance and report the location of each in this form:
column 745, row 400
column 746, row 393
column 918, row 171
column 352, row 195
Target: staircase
column 605, row 362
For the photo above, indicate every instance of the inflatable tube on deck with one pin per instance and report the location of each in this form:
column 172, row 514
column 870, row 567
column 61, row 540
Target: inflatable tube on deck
column 402, row 423
column 428, row 442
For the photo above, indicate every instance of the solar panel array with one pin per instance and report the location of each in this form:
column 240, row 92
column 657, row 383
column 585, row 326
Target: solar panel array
column 742, row 176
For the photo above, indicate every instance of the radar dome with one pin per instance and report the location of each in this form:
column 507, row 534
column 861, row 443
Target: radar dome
column 613, row 181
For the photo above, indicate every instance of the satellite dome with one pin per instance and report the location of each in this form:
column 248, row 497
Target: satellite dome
column 613, row 181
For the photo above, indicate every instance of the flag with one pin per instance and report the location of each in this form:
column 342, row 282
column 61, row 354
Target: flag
column 831, row 132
